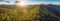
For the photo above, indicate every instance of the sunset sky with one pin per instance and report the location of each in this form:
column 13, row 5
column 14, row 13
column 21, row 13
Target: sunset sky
column 34, row 2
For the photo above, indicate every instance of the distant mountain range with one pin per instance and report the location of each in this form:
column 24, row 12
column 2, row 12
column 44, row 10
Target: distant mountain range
column 50, row 12
column 52, row 8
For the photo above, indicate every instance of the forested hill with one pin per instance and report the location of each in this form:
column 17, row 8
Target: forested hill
column 53, row 8
column 50, row 12
column 47, row 12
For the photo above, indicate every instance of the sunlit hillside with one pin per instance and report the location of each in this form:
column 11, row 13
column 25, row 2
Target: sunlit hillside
column 19, row 13
column 28, row 13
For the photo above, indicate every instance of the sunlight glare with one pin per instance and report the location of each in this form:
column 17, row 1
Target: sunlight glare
column 21, row 3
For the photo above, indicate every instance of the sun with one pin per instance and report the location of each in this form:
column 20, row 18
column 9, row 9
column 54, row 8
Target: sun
column 22, row 3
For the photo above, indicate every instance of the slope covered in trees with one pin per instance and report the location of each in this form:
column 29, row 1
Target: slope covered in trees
column 49, row 13
column 10, row 13
column 31, row 13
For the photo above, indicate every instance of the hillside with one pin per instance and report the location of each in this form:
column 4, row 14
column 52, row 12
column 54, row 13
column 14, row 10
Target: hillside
column 16, row 13
column 37, row 12
column 49, row 13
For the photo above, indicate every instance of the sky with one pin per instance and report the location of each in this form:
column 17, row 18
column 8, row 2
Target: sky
column 36, row 2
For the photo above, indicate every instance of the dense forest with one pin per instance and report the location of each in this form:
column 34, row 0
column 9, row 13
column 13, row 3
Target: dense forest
column 31, row 13
column 16, row 13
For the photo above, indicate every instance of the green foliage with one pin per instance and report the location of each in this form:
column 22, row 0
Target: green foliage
column 34, row 14
column 47, row 15
column 8, row 14
column 14, row 15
